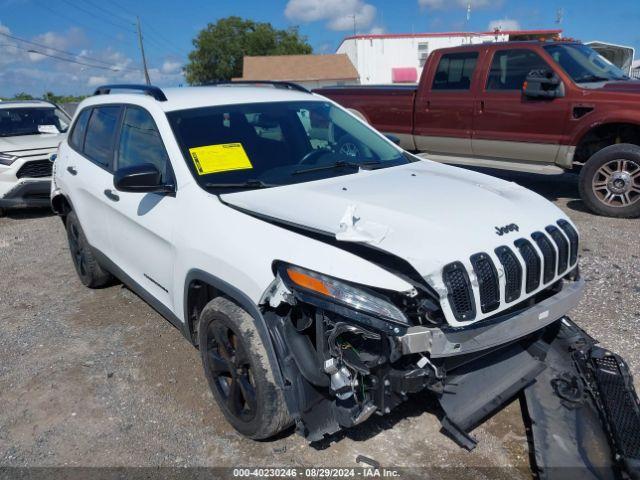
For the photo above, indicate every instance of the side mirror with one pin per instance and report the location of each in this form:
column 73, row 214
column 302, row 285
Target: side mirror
column 393, row 138
column 143, row 178
column 543, row 84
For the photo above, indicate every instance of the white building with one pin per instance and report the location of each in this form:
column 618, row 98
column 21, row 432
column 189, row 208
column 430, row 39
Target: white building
column 399, row 58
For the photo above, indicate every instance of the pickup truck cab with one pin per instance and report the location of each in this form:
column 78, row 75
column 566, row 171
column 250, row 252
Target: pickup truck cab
column 542, row 106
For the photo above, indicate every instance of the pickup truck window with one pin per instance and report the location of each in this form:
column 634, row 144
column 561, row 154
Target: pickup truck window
column 583, row 64
column 455, row 71
column 277, row 143
column 509, row 68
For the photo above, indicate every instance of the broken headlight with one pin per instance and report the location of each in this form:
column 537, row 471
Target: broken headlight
column 317, row 285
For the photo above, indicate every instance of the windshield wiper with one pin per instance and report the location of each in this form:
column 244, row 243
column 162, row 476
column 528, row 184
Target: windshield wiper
column 340, row 164
column 247, row 184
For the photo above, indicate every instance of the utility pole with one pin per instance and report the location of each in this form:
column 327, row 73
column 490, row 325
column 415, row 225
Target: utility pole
column 144, row 58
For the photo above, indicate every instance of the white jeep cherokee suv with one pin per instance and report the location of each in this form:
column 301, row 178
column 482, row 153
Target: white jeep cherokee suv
column 323, row 272
column 30, row 131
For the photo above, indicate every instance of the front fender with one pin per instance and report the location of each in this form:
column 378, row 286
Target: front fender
column 246, row 303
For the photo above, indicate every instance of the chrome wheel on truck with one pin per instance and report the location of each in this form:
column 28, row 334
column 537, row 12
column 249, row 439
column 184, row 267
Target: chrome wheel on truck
column 610, row 181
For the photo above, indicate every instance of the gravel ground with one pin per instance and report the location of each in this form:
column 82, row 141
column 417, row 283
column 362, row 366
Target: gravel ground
column 97, row 378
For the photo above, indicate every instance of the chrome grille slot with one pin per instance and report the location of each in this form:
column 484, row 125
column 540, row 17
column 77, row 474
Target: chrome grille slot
column 532, row 262
column 572, row 235
column 563, row 247
column 460, row 294
column 512, row 273
column 548, row 255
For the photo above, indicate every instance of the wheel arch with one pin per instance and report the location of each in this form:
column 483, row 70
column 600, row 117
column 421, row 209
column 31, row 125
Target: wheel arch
column 604, row 134
column 201, row 287
column 60, row 204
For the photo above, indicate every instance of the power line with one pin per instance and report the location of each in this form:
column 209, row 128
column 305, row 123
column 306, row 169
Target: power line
column 71, row 54
column 121, row 18
column 94, row 14
column 89, row 27
column 152, row 33
column 102, row 67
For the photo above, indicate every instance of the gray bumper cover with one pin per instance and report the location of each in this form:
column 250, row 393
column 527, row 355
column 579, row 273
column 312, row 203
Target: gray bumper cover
column 492, row 333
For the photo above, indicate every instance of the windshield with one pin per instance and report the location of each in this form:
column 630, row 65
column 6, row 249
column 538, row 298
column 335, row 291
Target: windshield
column 268, row 144
column 32, row 121
column 583, row 64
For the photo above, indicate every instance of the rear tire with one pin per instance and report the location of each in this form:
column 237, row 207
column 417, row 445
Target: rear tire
column 89, row 271
column 609, row 181
column 238, row 371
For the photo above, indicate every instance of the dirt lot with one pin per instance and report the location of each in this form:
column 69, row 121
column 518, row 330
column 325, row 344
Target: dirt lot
column 97, row 378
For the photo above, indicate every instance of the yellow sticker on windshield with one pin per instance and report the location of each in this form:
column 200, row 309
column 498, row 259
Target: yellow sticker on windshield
column 220, row 158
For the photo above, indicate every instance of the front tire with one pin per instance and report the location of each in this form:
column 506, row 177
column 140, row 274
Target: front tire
column 238, row 371
column 89, row 271
column 609, row 181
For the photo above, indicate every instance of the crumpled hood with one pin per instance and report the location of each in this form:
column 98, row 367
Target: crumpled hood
column 30, row 142
column 427, row 213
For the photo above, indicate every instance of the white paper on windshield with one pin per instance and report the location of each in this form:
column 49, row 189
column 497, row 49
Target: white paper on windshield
column 48, row 129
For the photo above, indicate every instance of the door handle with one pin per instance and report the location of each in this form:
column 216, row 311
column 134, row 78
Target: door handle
column 111, row 196
column 481, row 109
column 428, row 106
column 72, row 170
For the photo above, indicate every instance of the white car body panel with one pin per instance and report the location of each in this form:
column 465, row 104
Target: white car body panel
column 426, row 213
column 406, row 202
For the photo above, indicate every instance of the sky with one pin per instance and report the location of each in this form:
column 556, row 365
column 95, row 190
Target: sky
column 100, row 34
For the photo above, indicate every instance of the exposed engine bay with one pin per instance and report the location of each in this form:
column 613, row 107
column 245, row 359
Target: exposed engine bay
column 340, row 368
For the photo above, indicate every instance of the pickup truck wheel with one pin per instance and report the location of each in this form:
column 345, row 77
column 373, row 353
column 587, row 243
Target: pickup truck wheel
column 610, row 181
column 91, row 274
column 238, row 371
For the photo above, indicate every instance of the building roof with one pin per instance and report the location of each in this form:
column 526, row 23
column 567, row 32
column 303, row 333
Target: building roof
column 299, row 68
column 455, row 34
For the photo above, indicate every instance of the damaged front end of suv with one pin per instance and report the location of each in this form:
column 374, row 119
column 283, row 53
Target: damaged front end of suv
column 341, row 347
column 348, row 351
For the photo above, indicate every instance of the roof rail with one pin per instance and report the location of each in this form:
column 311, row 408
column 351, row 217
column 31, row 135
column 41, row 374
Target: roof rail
column 276, row 84
column 150, row 90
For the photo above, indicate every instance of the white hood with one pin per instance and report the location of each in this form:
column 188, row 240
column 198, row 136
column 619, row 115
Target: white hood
column 427, row 213
column 42, row 141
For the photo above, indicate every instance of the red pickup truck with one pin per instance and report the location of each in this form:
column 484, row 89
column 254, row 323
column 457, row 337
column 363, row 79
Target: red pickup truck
column 544, row 106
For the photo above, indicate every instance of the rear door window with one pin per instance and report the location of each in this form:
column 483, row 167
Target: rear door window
column 509, row 68
column 455, row 71
column 79, row 130
column 101, row 134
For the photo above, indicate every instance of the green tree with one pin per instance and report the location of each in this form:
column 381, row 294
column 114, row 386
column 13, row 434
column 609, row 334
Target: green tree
column 220, row 47
column 22, row 96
